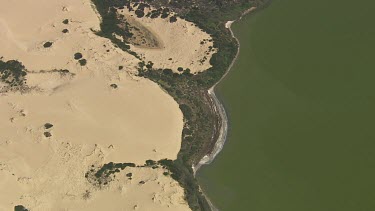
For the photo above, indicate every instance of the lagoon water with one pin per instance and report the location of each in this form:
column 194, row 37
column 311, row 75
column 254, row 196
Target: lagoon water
column 301, row 105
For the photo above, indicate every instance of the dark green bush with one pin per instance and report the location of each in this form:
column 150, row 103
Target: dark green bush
column 47, row 134
column 20, row 208
column 47, row 44
column 48, row 126
column 150, row 162
column 173, row 19
column 78, row 56
column 82, row 62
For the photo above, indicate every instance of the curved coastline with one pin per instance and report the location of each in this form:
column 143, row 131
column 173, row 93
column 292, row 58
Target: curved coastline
column 218, row 107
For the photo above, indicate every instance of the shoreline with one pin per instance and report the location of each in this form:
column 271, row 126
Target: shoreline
column 219, row 109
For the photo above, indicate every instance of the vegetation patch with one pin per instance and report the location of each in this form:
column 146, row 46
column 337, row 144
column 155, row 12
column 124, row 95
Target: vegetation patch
column 47, row 44
column 47, row 134
column 102, row 176
column 12, row 74
column 111, row 24
column 82, row 62
column 20, row 208
column 78, row 56
column 166, row 173
column 48, row 126
column 62, row 72
column 105, row 174
column 172, row 19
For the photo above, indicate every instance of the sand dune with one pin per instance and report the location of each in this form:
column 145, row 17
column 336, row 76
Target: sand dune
column 60, row 184
column 100, row 112
column 126, row 120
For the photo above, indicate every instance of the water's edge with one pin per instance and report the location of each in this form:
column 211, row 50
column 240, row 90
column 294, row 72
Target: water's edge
column 219, row 109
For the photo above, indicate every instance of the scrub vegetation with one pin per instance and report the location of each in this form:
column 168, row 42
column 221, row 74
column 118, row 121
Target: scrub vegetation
column 190, row 91
column 12, row 75
column 101, row 176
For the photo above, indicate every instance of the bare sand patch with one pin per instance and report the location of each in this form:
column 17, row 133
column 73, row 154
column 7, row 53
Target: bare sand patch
column 184, row 44
column 134, row 121
column 141, row 36
column 100, row 112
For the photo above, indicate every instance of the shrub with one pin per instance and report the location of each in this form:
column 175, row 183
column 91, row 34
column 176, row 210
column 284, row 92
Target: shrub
column 20, row 208
column 150, row 162
column 47, row 44
column 48, row 126
column 14, row 70
column 78, row 56
column 149, row 65
column 139, row 13
column 82, row 62
column 47, row 134
column 172, row 19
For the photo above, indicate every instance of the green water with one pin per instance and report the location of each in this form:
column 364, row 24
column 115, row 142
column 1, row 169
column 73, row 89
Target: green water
column 301, row 102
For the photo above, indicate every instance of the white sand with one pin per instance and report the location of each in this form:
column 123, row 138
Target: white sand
column 137, row 119
column 92, row 123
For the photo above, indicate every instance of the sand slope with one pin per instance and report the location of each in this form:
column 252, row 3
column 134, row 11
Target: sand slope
column 127, row 120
